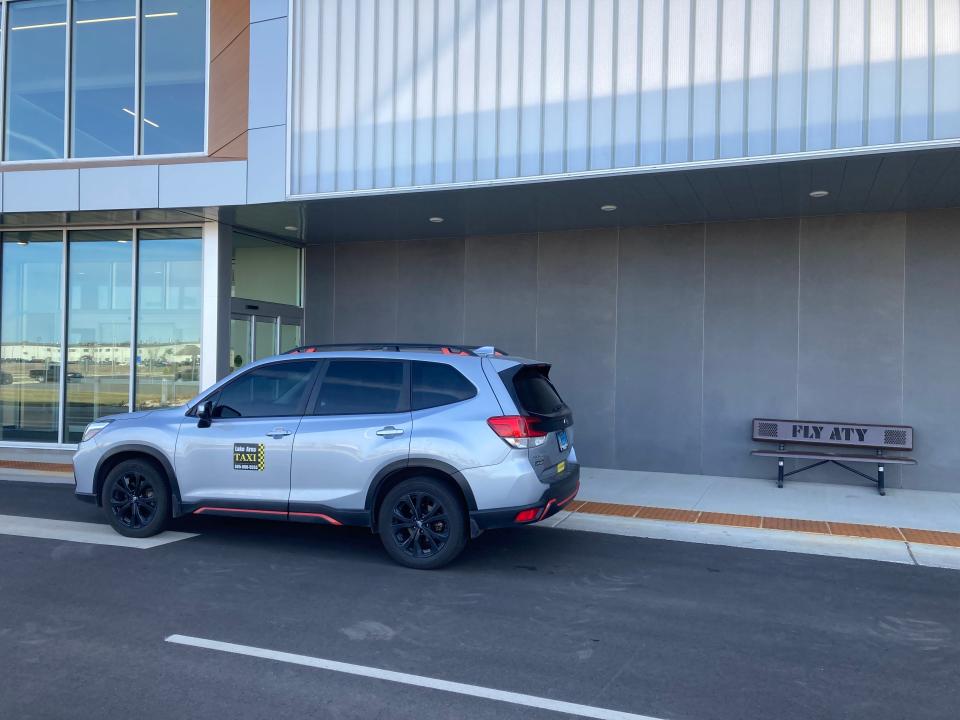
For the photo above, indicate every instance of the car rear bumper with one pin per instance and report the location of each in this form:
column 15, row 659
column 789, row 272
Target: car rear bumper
column 557, row 496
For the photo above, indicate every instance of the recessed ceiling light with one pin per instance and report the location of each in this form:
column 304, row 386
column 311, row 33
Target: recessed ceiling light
column 608, row 207
column 436, row 219
column 291, row 228
column 819, row 193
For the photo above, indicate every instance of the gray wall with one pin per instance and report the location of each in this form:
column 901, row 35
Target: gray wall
column 667, row 341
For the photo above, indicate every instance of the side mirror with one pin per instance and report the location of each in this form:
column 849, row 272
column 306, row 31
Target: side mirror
column 204, row 414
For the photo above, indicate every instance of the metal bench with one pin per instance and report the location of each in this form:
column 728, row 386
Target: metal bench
column 878, row 438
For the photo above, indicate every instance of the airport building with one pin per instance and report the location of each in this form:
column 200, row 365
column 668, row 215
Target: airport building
column 699, row 211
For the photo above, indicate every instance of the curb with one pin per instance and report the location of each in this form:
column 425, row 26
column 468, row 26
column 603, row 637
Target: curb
column 759, row 522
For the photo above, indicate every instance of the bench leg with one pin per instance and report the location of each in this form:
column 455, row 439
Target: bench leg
column 880, row 487
column 779, row 472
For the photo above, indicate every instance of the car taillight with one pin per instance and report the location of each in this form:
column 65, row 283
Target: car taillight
column 518, row 431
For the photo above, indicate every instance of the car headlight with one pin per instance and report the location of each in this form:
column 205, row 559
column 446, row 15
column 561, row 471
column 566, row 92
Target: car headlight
column 93, row 428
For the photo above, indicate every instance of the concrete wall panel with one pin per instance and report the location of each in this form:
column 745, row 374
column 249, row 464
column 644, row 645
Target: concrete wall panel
column 206, row 183
column 576, row 331
column 500, row 292
column 266, row 173
column 851, row 321
column 659, row 349
column 43, row 190
column 750, row 338
column 319, row 283
column 119, row 188
column 268, row 73
column 931, row 364
column 430, row 294
column 366, row 297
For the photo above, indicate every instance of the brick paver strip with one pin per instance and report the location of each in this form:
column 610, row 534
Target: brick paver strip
column 658, row 513
column 879, row 532
column 875, row 532
column 44, row 466
column 811, row 526
column 715, row 518
column 931, row 537
column 598, row 508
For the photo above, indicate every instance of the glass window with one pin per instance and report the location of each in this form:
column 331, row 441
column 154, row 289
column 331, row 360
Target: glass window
column 289, row 335
column 30, row 329
column 168, row 317
column 99, row 273
column 173, row 58
column 436, row 384
column 264, row 270
column 104, row 67
column 264, row 338
column 536, row 393
column 36, row 83
column 240, row 333
column 275, row 390
column 361, row 387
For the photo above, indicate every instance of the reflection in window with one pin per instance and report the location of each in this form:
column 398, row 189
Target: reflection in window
column 174, row 71
column 104, row 62
column 168, row 318
column 30, row 329
column 98, row 327
column 35, row 87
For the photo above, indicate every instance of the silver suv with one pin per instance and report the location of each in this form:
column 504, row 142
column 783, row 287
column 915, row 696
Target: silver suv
column 425, row 444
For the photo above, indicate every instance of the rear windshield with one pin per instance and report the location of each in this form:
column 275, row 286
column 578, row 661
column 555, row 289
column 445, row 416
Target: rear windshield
column 536, row 393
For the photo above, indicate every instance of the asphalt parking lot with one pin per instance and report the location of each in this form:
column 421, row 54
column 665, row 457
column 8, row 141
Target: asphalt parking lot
column 668, row 630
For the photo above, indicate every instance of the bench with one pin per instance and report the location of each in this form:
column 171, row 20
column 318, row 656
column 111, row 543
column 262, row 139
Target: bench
column 865, row 437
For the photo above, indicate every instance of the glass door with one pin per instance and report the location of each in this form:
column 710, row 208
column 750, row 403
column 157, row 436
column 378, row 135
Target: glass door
column 254, row 336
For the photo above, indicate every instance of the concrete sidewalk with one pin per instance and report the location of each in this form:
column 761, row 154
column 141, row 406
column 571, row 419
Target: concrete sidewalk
column 861, row 504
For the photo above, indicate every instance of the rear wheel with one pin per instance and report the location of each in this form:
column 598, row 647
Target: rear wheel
column 136, row 499
column 422, row 524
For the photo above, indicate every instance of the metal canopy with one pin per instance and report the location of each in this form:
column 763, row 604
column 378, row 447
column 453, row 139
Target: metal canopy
column 874, row 182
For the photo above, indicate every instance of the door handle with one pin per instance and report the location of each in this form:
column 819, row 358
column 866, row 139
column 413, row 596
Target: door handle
column 278, row 433
column 390, row 431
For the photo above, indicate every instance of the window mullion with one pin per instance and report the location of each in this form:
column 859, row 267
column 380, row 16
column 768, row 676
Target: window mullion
column 137, row 93
column 134, row 289
column 3, row 80
column 68, row 85
column 64, row 349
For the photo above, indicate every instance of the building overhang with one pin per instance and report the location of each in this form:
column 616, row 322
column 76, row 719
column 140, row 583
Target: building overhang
column 879, row 181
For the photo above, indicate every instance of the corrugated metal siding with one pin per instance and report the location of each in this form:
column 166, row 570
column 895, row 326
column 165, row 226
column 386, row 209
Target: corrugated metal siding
column 402, row 93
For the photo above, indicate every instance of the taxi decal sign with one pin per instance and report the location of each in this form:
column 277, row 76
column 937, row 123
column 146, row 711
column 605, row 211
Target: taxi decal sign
column 248, row 456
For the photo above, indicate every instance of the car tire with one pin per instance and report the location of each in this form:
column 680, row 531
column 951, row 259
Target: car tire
column 136, row 499
column 422, row 523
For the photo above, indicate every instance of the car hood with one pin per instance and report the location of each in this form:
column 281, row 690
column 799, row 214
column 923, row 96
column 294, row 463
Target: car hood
column 142, row 413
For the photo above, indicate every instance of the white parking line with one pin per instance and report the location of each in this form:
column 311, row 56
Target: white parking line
column 70, row 531
column 533, row 701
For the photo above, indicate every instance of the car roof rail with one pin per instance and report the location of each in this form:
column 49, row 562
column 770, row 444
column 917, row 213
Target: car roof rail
column 446, row 349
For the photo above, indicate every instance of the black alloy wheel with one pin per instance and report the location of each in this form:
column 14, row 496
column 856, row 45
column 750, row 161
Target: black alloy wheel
column 419, row 525
column 422, row 523
column 136, row 498
column 133, row 500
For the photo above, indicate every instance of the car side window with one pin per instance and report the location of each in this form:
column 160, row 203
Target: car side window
column 274, row 390
column 436, row 384
column 362, row 387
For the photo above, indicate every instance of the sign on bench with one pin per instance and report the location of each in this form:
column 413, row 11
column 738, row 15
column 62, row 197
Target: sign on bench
column 865, row 436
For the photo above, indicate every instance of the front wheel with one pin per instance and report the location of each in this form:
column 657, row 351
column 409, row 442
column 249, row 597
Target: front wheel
column 136, row 499
column 422, row 524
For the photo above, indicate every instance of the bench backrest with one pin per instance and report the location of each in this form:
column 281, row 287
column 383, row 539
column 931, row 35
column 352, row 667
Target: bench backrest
column 818, row 432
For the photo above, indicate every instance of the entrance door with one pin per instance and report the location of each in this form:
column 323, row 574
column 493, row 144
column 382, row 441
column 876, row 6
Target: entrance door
column 262, row 330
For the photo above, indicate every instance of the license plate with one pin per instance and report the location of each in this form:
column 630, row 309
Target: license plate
column 562, row 440
column 561, row 466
